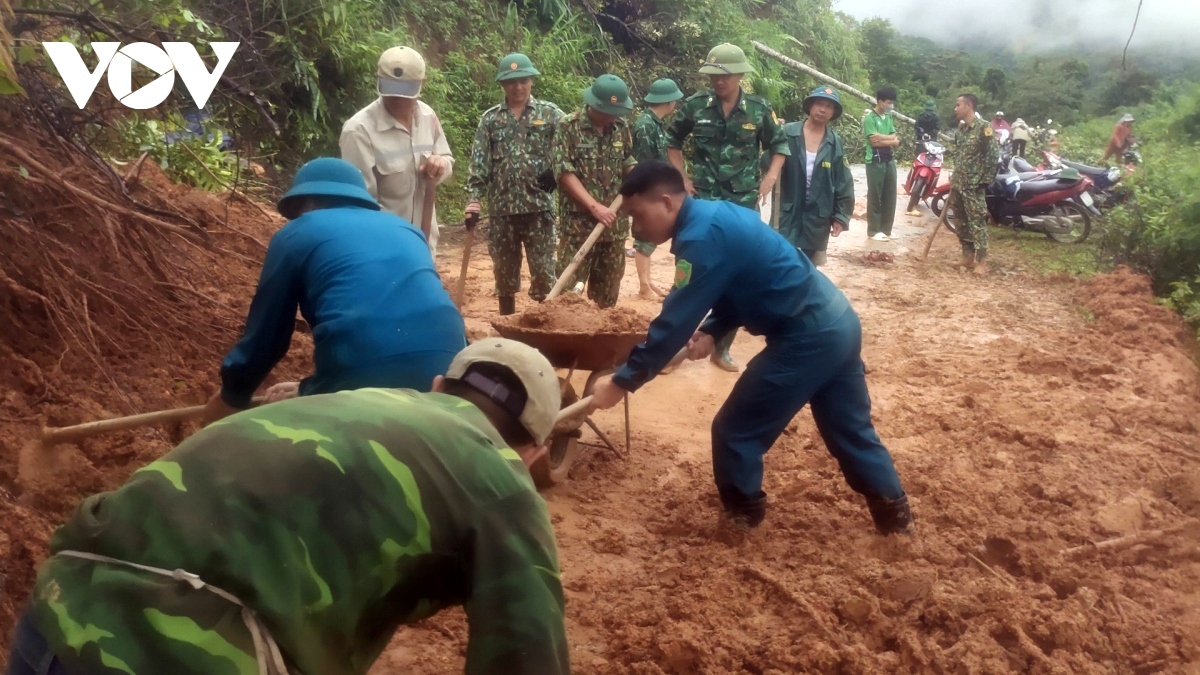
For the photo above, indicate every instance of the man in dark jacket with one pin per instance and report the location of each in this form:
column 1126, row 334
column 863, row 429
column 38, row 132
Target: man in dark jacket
column 817, row 188
column 928, row 124
column 364, row 281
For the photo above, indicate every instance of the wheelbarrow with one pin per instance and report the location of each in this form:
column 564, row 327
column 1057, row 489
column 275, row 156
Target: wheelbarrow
column 599, row 353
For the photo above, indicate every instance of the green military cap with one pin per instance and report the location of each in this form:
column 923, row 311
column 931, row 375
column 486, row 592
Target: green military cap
column 663, row 91
column 824, row 92
column 726, row 59
column 609, row 95
column 514, row 67
column 930, row 105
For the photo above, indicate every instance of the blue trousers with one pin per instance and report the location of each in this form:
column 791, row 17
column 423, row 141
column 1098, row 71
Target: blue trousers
column 30, row 653
column 823, row 368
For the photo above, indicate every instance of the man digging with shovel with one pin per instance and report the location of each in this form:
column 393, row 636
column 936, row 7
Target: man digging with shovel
column 362, row 279
column 296, row 537
column 749, row 275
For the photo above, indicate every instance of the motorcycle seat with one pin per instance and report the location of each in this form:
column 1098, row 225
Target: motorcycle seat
column 1021, row 165
column 1037, row 187
column 1085, row 169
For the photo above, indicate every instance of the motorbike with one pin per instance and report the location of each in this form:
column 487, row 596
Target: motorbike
column 923, row 177
column 1035, row 201
column 1104, row 179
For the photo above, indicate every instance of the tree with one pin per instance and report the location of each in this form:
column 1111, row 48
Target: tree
column 995, row 84
column 1125, row 89
column 887, row 62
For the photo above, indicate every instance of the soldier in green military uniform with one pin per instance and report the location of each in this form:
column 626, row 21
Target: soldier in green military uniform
column 593, row 148
column 296, row 537
column 650, row 142
column 730, row 129
column 817, row 196
column 511, row 164
column 975, row 157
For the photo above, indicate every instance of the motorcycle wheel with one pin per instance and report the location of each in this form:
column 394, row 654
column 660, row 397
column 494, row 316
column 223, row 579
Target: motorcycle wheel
column 918, row 190
column 1081, row 223
column 938, row 203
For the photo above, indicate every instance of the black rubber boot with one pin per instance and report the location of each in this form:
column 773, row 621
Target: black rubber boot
column 508, row 305
column 745, row 512
column 891, row 516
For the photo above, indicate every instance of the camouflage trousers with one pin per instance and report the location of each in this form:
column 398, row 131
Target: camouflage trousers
column 971, row 209
column 506, row 235
column 602, row 268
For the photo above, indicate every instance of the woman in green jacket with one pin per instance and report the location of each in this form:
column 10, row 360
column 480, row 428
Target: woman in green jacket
column 817, row 193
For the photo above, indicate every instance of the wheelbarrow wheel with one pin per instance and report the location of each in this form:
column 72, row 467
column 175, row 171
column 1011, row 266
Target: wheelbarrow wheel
column 564, row 448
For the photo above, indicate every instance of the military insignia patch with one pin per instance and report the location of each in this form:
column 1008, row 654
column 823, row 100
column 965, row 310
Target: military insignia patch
column 613, row 99
column 749, row 126
column 618, row 144
column 825, row 165
column 827, row 89
column 513, row 65
column 775, row 117
column 988, row 131
column 538, row 123
column 683, row 273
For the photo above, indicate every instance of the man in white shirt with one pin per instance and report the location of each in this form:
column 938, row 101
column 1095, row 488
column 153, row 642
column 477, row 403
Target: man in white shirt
column 398, row 143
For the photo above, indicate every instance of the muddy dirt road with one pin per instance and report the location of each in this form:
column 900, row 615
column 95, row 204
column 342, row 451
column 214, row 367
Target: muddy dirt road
column 1027, row 416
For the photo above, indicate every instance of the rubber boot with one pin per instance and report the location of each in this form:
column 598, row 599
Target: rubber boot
column 980, row 267
column 508, row 305
column 891, row 516
column 720, row 356
column 968, row 257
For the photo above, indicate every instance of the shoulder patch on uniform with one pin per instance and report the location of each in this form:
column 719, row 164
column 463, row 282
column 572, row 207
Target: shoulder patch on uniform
column 683, row 273
column 775, row 117
column 987, row 130
column 749, row 125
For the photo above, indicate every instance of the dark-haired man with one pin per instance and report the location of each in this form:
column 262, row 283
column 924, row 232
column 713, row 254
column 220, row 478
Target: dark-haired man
column 882, row 141
column 749, row 275
column 296, row 537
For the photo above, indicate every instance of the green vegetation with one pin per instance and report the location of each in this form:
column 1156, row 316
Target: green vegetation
column 305, row 66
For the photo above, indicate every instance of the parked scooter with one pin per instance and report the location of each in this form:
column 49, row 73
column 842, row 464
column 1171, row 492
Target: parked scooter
column 1104, row 179
column 923, row 177
column 1055, row 203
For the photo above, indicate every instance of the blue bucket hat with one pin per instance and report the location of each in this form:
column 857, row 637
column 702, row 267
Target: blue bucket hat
column 327, row 177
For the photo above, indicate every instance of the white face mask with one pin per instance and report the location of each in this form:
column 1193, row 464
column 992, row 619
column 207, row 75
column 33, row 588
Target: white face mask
column 889, row 107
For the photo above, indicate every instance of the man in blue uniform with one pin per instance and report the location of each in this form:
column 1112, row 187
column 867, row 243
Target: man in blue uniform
column 364, row 281
column 748, row 275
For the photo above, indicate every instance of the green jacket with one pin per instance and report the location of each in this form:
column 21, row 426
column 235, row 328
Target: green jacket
column 649, row 137
column 599, row 158
column 508, row 156
column 807, row 212
column 725, row 160
column 336, row 518
column 976, row 155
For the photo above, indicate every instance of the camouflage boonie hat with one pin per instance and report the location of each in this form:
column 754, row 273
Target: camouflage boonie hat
column 726, row 59
column 542, row 395
column 514, row 67
column 609, row 95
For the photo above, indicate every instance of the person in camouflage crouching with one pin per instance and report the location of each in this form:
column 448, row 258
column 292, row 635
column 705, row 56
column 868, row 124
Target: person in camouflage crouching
column 511, row 164
column 593, row 149
column 297, row 537
column 976, row 155
column 730, row 130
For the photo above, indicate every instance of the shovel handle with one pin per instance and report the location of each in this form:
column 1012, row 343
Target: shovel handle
column 577, row 408
column 582, row 253
column 940, row 221
column 462, row 272
column 53, row 436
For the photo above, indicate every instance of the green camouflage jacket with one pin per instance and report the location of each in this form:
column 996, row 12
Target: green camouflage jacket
column 976, row 155
column 509, row 155
column 725, row 161
column 649, row 137
column 336, row 518
column 598, row 158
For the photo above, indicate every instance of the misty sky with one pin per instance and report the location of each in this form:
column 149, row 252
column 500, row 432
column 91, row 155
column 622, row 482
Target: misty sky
column 1033, row 25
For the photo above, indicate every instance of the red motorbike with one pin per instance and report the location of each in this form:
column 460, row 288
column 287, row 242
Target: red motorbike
column 1036, row 201
column 923, row 177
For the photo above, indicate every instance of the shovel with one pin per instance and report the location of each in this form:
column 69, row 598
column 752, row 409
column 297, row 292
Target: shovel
column 583, row 251
column 940, row 222
column 471, row 222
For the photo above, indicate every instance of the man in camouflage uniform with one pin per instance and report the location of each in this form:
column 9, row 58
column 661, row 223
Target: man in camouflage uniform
column 511, row 166
column 730, row 130
column 296, row 537
column 593, row 148
column 975, row 157
column 650, row 142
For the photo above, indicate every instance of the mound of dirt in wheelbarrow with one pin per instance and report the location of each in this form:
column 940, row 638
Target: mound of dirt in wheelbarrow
column 573, row 313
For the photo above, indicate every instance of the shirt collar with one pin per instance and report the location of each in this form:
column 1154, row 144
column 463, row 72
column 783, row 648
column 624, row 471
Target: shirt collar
column 681, row 218
column 385, row 121
column 529, row 105
column 715, row 102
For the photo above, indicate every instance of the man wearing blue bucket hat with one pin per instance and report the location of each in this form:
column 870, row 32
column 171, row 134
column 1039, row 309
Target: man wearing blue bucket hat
column 362, row 279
